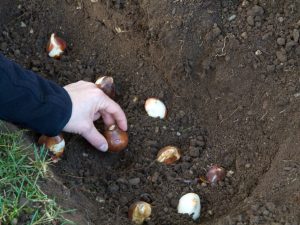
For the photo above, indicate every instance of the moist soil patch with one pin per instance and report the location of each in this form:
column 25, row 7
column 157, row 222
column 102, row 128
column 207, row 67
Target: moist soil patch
column 228, row 72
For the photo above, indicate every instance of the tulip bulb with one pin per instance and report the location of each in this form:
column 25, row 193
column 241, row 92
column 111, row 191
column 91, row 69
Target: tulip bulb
column 168, row 155
column 55, row 145
column 106, row 84
column 139, row 212
column 56, row 46
column 190, row 204
column 215, row 174
column 155, row 108
column 117, row 139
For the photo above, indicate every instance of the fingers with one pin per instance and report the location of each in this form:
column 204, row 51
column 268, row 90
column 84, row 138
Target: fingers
column 81, row 84
column 107, row 118
column 96, row 139
column 115, row 112
column 96, row 116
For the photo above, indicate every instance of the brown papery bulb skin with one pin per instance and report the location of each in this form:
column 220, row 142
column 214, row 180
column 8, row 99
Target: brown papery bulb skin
column 117, row 139
column 139, row 211
column 215, row 174
column 55, row 144
column 107, row 85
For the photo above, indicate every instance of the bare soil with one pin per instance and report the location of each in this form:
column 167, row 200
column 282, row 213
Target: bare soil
column 228, row 72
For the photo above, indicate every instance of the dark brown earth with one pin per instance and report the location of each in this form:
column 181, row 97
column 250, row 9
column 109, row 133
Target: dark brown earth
column 228, row 72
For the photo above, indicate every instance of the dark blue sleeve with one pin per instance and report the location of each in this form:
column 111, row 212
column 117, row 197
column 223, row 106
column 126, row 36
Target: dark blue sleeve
column 32, row 101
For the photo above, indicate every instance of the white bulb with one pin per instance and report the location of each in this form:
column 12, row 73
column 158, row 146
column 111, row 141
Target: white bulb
column 59, row 147
column 168, row 155
column 190, row 204
column 100, row 80
column 155, row 108
column 56, row 50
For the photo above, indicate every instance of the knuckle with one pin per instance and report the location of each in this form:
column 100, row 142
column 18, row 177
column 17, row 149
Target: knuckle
column 98, row 94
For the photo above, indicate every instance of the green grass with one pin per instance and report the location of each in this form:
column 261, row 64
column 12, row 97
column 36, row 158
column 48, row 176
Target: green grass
column 20, row 196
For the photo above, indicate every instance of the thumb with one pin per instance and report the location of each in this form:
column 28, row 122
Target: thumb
column 96, row 139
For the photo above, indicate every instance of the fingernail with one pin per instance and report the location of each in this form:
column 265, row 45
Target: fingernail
column 104, row 147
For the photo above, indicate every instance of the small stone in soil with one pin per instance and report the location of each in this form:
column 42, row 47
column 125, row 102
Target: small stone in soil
column 154, row 177
column 256, row 11
column 229, row 173
column 23, row 24
column 17, row 52
column 289, row 45
column 3, row 46
column 296, row 35
column 113, row 188
column 258, row 52
column 281, row 56
column 204, row 184
column 280, row 19
column 250, row 20
column 232, row 17
column 266, row 212
column 270, row 206
column 100, row 199
column 34, row 69
column 281, row 41
column 134, row 181
column 245, row 3
column 244, row 35
column 227, row 58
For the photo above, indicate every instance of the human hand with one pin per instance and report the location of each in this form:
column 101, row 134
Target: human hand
column 89, row 104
